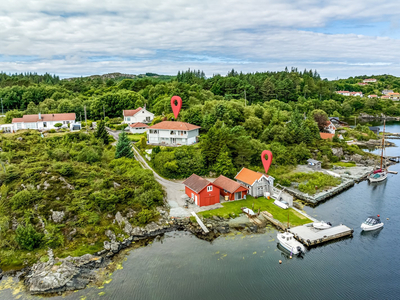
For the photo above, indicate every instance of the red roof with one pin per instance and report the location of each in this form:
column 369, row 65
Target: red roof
column 248, row 176
column 326, row 136
column 196, row 183
column 138, row 124
column 131, row 112
column 45, row 118
column 174, row 125
column 227, row 184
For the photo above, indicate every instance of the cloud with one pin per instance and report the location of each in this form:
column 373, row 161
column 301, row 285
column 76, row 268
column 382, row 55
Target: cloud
column 90, row 37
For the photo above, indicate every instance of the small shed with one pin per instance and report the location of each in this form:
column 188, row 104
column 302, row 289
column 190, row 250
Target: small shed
column 75, row 126
column 138, row 127
column 202, row 191
column 230, row 189
column 314, row 164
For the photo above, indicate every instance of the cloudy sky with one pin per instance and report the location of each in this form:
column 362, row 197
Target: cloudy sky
column 339, row 38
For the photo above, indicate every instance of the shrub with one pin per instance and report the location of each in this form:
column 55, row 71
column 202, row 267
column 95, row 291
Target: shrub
column 27, row 237
column 21, row 199
column 52, row 130
column 88, row 155
column 66, row 170
column 58, row 125
column 145, row 216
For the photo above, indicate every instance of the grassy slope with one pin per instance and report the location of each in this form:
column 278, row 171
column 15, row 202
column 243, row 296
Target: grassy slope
column 233, row 209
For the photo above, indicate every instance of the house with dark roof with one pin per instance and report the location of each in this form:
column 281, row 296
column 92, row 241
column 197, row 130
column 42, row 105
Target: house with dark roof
column 173, row 133
column 257, row 183
column 230, row 189
column 202, row 191
column 141, row 115
column 43, row 121
column 138, row 127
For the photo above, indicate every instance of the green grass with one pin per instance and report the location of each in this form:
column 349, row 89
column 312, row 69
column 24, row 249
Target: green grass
column 135, row 137
column 345, row 164
column 233, row 209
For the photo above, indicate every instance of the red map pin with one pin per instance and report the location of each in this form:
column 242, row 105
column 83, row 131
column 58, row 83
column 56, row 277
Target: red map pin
column 176, row 108
column 266, row 161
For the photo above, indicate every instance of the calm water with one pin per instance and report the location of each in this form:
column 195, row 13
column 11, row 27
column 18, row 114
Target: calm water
column 366, row 266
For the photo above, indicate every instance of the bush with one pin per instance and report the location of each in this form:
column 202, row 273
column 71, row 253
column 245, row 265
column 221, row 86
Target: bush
column 145, row 216
column 58, row 125
column 27, row 237
column 52, row 130
column 66, row 170
column 88, row 155
column 21, row 199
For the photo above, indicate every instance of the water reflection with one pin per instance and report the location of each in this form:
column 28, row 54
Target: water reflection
column 285, row 254
column 371, row 234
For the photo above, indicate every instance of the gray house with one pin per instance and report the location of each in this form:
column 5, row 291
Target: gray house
column 257, row 183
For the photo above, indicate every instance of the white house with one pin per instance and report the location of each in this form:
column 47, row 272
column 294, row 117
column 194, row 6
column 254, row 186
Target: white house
column 344, row 93
column 138, row 127
column 329, row 127
column 360, row 94
column 369, row 80
column 43, row 122
column 141, row 115
column 173, row 133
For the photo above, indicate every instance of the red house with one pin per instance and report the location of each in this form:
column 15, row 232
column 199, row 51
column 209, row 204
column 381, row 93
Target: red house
column 201, row 190
column 230, row 188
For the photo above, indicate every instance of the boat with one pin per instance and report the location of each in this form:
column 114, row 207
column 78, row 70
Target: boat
column 281, row 204
column 372, row 223
column 380, row 174
column 287, row 241
column 322, row 225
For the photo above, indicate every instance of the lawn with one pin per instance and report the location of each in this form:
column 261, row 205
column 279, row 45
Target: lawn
column 135, row 137
column 233, row 209
column 345, row 164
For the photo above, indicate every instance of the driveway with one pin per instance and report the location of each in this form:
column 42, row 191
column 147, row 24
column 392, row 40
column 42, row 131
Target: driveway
column 173, row 189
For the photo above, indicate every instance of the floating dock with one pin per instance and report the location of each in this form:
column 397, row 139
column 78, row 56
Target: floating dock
column 308, row 235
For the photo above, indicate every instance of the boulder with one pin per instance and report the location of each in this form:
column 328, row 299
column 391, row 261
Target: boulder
column 57, row 216
column 111, row 235
column 114, row 246
column 116, row 185
column 107, row 245
column 337, row 152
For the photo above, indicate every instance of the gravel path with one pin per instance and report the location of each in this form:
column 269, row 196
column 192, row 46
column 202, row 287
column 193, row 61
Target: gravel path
column 173, row 189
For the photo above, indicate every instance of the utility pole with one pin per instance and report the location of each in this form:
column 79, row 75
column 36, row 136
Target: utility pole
column 85, row 118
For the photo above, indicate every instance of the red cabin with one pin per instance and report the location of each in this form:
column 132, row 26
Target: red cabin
column 230, row 188
column 201, row 190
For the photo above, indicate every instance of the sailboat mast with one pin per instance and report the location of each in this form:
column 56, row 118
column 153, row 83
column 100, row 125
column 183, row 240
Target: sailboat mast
column 383, row 142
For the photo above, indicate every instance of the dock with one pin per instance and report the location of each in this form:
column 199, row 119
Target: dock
column 200, row 222
column 308, row 235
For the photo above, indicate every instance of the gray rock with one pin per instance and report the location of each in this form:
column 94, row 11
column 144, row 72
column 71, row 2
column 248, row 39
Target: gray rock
column 116, row 185
column 130, row 213
column 19, row 138
column 337, row 152
column 67, row 185
column 107, row 245
column 151, row 227
column 14, row 224
column 46, row 185
column 119, row 218
column 114, row 247
column 122, row 221
column 110, row 235
column 136, row 231
column 57, row 216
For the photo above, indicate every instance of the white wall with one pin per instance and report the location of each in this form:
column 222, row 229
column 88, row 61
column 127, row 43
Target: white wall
column 165, row 136
column 137, row 129
column 143, row 116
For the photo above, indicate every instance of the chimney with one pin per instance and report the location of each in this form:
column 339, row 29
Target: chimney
column 40, row 116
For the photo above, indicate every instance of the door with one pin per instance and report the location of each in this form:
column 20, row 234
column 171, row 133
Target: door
column 195, row 199
column 238, row 195
column 173, row 140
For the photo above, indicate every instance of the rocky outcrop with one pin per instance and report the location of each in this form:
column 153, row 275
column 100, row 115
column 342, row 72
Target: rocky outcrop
column 71, row 273
column 337, row 152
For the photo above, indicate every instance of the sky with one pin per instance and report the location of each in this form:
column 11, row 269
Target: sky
column 340, row 38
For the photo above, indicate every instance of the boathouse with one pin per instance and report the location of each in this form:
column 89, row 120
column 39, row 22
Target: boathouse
column 257, row 183
column 202, row 191
column 230, row 189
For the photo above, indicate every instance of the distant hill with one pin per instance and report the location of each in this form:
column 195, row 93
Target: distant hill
column 120, row 76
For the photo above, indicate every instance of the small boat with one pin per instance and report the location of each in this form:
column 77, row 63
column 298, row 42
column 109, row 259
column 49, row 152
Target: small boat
column 322, row 225
column 380, row 174
column 288, row 242
column 372, row 223
column 281, row 204
column 248, row 212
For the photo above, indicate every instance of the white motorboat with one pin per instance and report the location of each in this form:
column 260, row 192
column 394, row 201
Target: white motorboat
column 322, row 225
column 288, row 242
column 281, row 204
column 372, row 223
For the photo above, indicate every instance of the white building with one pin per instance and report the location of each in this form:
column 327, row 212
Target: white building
column 344, row 93
column 138, row 127
column 329, row 127
column 43, row 122
column 173, row 133
column 369, row 80
column 137, row 115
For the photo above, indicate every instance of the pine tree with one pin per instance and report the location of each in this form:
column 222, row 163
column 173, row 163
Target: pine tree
column 101, row 133
column 224, row 165
column 124, row 147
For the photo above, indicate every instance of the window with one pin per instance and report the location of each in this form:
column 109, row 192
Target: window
column 44, row 124
column 128, row 119
column 209, row 188
column 147, row 119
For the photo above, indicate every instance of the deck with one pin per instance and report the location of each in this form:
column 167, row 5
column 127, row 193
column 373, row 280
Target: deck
column 308, row 235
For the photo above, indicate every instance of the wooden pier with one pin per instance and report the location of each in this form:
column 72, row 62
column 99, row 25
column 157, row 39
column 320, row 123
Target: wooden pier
column 308, row 235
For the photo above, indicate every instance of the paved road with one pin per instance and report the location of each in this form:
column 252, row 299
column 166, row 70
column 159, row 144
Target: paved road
column 174, row 190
